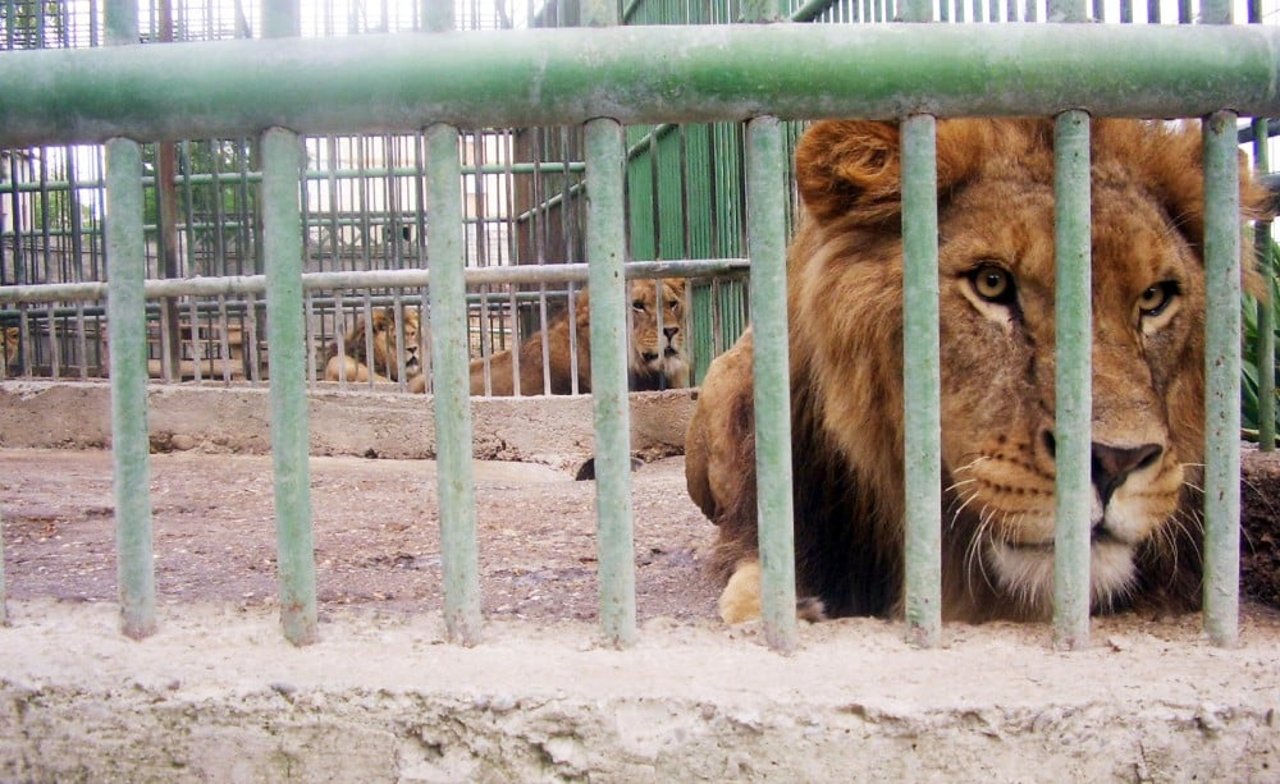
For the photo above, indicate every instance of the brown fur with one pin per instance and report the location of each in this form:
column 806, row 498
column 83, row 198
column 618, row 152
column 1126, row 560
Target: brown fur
column 355, row 365
column 995, row 188
column 654, row 360
column 12, row 339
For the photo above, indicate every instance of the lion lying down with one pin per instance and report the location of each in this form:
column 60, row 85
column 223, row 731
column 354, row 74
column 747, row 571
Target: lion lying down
column 996, row 274
column 655, row 359
column 354, row 365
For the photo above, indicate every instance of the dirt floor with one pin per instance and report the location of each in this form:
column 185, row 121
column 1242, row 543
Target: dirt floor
column 376, row 534
column 218, row 695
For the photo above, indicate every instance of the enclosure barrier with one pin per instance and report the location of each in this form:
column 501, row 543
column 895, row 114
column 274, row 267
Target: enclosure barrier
column 436, row 82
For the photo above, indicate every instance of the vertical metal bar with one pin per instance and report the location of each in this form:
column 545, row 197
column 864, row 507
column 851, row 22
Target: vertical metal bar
column 921, row 381
column 452, row 386
column 766, row 239
column 606, row 252
column 127, row 335
column 1222, row 379
column 290, row 440
column 1216, row 11
column 1074, row 392
column 1265, row 359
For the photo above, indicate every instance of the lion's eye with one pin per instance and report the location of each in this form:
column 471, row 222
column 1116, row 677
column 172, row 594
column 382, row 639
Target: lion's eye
column 993, row 283
column 638, row 305
column 1155, row 299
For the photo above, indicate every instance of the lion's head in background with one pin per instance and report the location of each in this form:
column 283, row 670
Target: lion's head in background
column 356, row 364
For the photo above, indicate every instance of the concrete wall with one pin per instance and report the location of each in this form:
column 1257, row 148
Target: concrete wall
column 554, row 431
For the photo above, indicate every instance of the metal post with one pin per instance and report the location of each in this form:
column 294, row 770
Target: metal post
column 1222, row 379
column 456, row 485
column 606, row 251
column 1265, row 358
column 127, row 336
column 921, row 381
column 766, row 239
column 1074, row 391
column 290, row 440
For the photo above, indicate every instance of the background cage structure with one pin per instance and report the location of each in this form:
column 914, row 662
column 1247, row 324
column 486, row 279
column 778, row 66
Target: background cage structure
column 699, row 189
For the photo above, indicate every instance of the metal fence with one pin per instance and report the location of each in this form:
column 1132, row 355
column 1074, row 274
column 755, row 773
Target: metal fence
column 424, row 87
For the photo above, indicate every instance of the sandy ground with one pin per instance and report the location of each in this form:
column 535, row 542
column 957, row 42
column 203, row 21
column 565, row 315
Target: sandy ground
column 376, row 534
column 218, row 695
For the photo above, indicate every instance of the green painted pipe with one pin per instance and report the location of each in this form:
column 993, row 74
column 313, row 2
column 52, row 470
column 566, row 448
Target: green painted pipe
column 922, row 382
column 1222, row 246
column 290, row 431
column 767, row 243
column 127, row 334
column 606, row 251
column 632, row 74
column 1073, row 323
column 1265, row 358
column 455, row 477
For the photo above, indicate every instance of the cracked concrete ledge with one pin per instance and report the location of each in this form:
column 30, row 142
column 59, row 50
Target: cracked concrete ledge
column 555, row 431
column 217, row 695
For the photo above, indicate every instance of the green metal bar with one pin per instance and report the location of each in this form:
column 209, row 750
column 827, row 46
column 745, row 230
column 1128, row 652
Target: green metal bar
column 1216, row 12
column 922, row 382
column 1222, row 379
column 635, row 75
column 1265, row 360
column 290, row 438
column 606, row 251
column 280, row 18
column 766, row 239
column 1074, row 379
column 121, row 18
column 127, row 335
column 456, row 485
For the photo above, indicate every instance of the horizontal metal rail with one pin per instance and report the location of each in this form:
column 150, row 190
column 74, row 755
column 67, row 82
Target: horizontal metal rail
column 377, row 84
column 404, row 278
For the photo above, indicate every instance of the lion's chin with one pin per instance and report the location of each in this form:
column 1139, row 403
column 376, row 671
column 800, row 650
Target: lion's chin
column 1025, row 573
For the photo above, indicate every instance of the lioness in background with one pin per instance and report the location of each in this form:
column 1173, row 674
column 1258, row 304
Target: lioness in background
column 655, row 359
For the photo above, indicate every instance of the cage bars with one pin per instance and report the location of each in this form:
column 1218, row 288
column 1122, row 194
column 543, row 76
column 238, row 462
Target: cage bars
column 1073, row 407
column 771, row 378
column 1222, row 379
column 539, row 77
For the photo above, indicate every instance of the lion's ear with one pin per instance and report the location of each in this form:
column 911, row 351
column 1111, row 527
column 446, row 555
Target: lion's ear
column 852, row 168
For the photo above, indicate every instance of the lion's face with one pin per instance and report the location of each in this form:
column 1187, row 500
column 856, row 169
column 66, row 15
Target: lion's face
column 385, row 342
column 654, row 349
column 997, row 303
column 996, row 279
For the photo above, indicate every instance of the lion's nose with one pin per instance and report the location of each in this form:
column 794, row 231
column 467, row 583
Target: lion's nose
column 1112, row 465
column 670, row 332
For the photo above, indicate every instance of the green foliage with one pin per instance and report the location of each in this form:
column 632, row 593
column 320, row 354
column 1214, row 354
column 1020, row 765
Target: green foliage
column 1249, row 366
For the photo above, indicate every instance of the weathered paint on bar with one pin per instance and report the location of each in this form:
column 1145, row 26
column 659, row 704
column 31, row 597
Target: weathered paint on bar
column 130, row 445
column 921, row 382
column 1073, row 326
column 282, row 159
column 771, row 377
column 606, row 250
column 634, row 75
column 1265, row 359
column 1222, row 379
column 456, row 484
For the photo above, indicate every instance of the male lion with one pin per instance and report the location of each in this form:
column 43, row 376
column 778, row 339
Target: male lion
column 996, row 277
column 655, row 359
column 354, row 364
